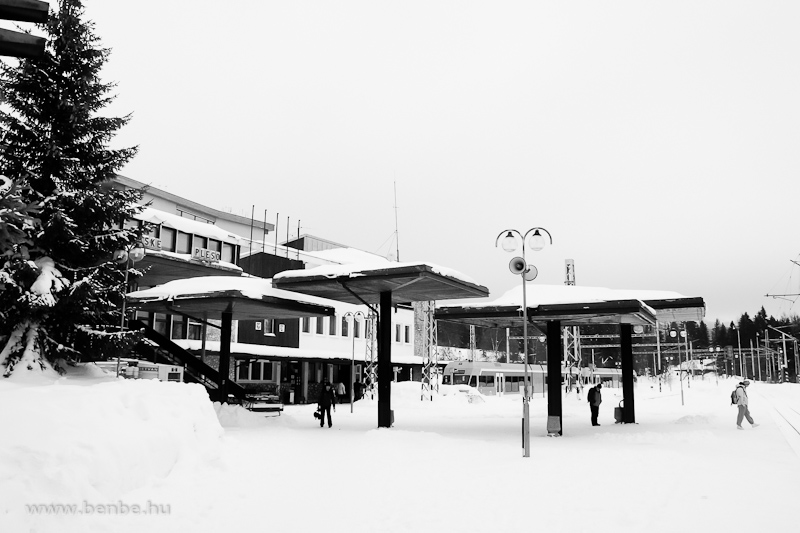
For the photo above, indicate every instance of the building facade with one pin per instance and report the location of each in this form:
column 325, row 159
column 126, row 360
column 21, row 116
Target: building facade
column 288, row 358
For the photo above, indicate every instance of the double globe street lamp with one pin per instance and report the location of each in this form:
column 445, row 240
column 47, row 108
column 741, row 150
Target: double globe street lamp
column 677, row 334
column 519, row 266
column 129, row 256
column 354, row 316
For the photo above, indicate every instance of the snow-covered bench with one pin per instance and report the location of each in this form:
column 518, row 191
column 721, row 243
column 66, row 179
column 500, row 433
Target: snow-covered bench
column 263, row 403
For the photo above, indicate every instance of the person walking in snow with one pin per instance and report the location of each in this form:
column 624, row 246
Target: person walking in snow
column 341, row 391
column 742, row 404
column 327, row 399
column 595, row 399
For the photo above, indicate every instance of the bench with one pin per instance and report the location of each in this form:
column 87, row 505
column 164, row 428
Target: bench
column 263, row 403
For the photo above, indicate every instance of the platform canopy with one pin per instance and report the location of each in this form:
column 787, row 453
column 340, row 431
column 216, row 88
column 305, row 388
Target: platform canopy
column 384, row 285
column 357, row 284
column 245, row 298
column 574, row 305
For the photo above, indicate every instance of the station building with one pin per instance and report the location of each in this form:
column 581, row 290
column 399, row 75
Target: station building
column 288, row 358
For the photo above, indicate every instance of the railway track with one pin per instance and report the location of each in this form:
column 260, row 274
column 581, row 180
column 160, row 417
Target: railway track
column 785, row 411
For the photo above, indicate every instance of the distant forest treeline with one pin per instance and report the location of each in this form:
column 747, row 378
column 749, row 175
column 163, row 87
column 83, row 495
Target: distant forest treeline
column 491, row 343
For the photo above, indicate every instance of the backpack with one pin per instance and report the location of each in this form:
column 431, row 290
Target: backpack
column 734, row 396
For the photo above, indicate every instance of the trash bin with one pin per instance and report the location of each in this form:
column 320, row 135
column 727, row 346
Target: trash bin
column 618, row 413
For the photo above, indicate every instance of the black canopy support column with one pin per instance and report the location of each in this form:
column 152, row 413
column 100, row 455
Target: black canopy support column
column 225, row 355
column 385, row 361
column 554, row 357
column 626, row 349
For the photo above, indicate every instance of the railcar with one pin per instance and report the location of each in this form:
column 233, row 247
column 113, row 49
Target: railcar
column 508, row 378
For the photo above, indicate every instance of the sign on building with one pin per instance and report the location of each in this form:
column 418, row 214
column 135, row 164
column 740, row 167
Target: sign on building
column 151, row 243
column 204, row 254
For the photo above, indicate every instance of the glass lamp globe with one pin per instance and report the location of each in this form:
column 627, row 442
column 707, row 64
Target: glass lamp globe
column 537, row 242
column 136, row 253
column 509, row 242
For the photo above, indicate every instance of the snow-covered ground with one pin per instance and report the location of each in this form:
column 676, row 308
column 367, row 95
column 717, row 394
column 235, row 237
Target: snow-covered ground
column 111, row 448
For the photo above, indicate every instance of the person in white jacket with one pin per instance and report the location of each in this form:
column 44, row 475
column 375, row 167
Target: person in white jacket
column 742, row 404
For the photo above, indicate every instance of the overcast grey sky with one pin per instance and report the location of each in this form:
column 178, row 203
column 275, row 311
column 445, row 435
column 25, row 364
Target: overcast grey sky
column 656, row 141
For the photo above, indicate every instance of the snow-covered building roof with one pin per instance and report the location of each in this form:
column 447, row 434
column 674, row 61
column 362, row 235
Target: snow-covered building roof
column 188, row 225
column 365, row 282
column 576, row 304
column 244, row 297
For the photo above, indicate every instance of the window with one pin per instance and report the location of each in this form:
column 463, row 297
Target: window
column 397, row 332
column 254, row 370
column 356, row 328
column 228, row 253
column 178, row 327
column 143, row 316
column 168, row 236
column 320, row 323
column 269, row 326
column 242, row 371
column 345, row 327
column 306, row 324
column 215, row 245
column 332, row 329
column 184, row 245
column 408, row 334
column 463, row 379
column 199, row 241
column 161, row 323
column 195, row 330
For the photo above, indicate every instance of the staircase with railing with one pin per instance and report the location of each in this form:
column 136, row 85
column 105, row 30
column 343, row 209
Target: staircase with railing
column 159, row 348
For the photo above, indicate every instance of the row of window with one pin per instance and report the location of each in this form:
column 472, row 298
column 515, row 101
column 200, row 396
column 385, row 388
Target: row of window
column 402, row 332
column 173, row 240
column 256, row 371
column 173, row 326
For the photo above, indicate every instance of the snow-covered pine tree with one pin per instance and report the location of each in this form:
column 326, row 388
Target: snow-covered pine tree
column 59, row 290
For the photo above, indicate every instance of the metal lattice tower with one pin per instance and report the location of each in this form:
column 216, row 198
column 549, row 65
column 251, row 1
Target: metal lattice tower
column 572, row 334
column 371, row 370
column 472, row 345
column 572, row 346
column 430, row 354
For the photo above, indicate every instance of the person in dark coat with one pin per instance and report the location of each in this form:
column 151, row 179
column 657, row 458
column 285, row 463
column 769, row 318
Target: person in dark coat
column 327, row 399
column 595, row 399
column 358, row 390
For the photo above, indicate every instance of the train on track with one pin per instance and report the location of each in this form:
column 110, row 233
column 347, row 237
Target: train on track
column 508, row 378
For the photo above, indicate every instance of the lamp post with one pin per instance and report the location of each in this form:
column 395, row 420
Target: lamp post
column 675, row 335
column 739, row 340
column 354, row 316
column 128, row 256
column 519, row 266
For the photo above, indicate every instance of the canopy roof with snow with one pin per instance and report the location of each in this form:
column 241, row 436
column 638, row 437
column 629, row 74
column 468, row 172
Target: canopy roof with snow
column 364, row 282
column 247, row 298
column 576, row 305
